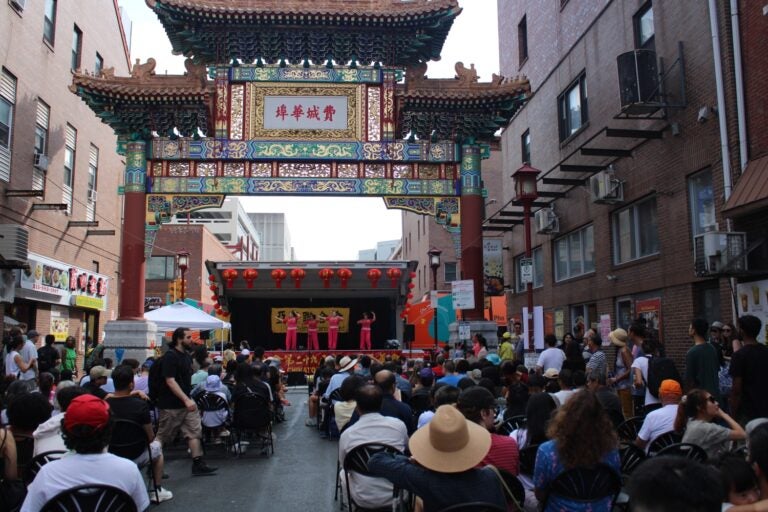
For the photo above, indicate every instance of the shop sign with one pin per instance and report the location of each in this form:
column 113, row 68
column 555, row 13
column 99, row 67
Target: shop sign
column 61, row 283
column 753, row 300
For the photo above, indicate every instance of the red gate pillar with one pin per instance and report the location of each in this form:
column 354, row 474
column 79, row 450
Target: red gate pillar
column 132, row 262
column 471, row 225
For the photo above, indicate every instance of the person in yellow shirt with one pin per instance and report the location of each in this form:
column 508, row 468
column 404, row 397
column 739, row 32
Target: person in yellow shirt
column 506, row 349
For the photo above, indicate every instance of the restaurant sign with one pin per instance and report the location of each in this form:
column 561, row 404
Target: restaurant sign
column 60, row 283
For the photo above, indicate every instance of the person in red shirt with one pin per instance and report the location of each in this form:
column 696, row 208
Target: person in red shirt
column 312, row 343
column 365, row 330
column 334, row 319
column 291, row 329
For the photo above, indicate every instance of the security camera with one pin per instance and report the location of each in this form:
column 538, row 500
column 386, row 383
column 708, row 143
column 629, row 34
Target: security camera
column 703, row 114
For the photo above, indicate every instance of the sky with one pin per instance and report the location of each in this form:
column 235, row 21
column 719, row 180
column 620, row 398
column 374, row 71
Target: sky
column 333, row 228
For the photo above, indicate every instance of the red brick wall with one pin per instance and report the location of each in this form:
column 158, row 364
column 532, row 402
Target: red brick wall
column 754, row 34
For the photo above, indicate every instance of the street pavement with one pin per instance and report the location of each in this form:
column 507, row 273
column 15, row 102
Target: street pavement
column 299, row 476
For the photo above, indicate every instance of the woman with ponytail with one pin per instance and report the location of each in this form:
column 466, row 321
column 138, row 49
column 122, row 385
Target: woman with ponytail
column 695, row 414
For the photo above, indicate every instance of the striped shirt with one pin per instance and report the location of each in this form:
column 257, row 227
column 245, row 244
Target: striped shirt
column 597, row 364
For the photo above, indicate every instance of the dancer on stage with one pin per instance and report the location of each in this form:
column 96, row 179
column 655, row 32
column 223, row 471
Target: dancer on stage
column 334, row 319
column 291, row 327
column 312, row 343
column 365, row 330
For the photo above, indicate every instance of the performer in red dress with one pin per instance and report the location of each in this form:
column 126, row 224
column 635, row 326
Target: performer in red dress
column 334, row 319
column 365, row 330
column 291, row 328
column 312, row 343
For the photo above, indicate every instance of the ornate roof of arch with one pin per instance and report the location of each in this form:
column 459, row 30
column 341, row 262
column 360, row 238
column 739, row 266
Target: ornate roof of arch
column 390, row 32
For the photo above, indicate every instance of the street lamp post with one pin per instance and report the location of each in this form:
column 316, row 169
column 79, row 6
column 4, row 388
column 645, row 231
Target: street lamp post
column 183, row 264
column 434, row 262
column 526, row 193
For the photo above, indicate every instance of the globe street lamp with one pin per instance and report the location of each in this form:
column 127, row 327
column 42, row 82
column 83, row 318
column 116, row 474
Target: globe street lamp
column 183, row 264
column 434, row 262
column 526, row 193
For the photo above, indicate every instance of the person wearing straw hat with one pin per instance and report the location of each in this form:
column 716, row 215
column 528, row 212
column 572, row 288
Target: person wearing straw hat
column 622, row 371
column 346, row 365
column 442, row 469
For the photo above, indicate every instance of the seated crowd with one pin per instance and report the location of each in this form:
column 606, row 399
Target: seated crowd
column 447, row 432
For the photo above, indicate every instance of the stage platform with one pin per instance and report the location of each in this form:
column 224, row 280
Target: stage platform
column 307, row 361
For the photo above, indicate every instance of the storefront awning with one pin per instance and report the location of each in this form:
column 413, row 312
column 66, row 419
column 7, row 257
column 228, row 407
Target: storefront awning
column 751, row 191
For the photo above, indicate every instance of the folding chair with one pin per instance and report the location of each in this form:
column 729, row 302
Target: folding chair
column 37, row 462
column 628, row 429
column 93, row 498
column 357, row 461
column 687, row 450
column 25, row 451
column 511, row 424
column 664, row 440
column 129, row 441
column 631, row 456
column 251, row 414
column 213, row 403
column 585, row 485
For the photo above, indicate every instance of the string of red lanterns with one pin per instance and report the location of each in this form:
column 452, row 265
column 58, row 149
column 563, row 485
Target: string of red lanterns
column 250, row 275
column 374, row 275
column 279, row 275
column 326, row 275
column 297, row 274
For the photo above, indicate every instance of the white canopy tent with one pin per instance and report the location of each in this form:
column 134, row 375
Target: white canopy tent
column 180, row 314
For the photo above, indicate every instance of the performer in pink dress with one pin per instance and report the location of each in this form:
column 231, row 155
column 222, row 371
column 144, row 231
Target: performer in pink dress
column 334, row 319
column 312, row 342
column 291, row 328
column 365, row 330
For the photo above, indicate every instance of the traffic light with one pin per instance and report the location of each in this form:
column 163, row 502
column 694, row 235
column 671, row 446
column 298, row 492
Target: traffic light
column 174, row 291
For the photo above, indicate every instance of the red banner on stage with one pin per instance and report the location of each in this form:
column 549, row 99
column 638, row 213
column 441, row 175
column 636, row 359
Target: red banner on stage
column 307, row 362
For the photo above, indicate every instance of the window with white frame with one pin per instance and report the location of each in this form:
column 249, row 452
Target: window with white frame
column 77, row 48
column 42, row 120
column 572, row 107
column 538, row 270
column 93, row 172
column 450, row 272
column 161, row 267
column 575, row 254
column 635, row 231
column 70, row 147
column 49, row 21
column 702, row 202
column 7, row 102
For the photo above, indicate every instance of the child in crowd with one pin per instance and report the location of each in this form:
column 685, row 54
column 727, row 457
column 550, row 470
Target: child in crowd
column 740, row 485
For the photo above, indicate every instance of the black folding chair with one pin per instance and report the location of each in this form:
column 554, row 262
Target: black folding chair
column 628, row 429
column 631, row 456
column 528, row 459
column 687, row 450
column 37, row 462
column 213, row 403
column 664, row 440
column 517, row 489
column 93, row 498
column 475, row 506
column 356, row 461
column 25, row 451
column 511, row 424
column 129, row 441
column 252, row 415
column 585, row 485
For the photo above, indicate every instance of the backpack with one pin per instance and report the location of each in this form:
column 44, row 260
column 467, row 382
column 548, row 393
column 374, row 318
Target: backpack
column 155, row 380
column 659, row 370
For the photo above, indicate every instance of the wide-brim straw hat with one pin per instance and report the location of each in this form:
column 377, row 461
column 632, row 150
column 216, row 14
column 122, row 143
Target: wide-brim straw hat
column 450, row 443
column 346, row 363
column 618, row 337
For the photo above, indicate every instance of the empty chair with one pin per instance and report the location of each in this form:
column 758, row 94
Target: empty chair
column 93, row 498
column 688, row 450
column 252, row 415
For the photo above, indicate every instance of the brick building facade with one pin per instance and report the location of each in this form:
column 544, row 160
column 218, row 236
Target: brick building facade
column 620, row 258
column 54, row 151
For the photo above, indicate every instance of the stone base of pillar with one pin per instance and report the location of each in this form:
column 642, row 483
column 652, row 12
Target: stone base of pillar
column 130, row 339
column 488, row 329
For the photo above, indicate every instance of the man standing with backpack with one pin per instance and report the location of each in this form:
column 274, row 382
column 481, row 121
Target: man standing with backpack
column 171, row 384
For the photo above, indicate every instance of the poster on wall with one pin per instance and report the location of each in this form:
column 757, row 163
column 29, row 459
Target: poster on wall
column 650, row 311
column 605, row 329
column 560, row 324
column 59, row 323
column 752, row 299
column 493, row 267
column 538, row 327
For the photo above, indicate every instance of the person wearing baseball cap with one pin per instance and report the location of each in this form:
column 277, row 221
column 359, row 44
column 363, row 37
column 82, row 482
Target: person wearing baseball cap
column 442, row 469
column 87, row 430
column 506, row 348
column 662, row 420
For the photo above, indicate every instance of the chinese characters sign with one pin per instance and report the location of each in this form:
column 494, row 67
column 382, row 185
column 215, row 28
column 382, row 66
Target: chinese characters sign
column 63, row 284
column 305, row 112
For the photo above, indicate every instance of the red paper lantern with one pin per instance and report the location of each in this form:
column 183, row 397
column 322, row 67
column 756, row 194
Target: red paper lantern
column 394, row 275
column 278, row 275
column 344, row 275
column 326, row 275
column 410, row 296
column 216, row 306
column 214, row 298
column 214, row 287
column 411, row 286
column 226, row 314
column 413, row 275
column 219, row 311
column 373, row 276
column 250, row 275
column 211, row 278
column 297, row 274
column 230, row 275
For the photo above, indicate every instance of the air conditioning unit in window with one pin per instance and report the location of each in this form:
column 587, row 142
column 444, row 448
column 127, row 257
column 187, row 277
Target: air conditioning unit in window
column 92, row 195
column 718, row 253
column 17, row 4
column 41, row 161
column 14, row 243
column 606, row 188
column 547, row 221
